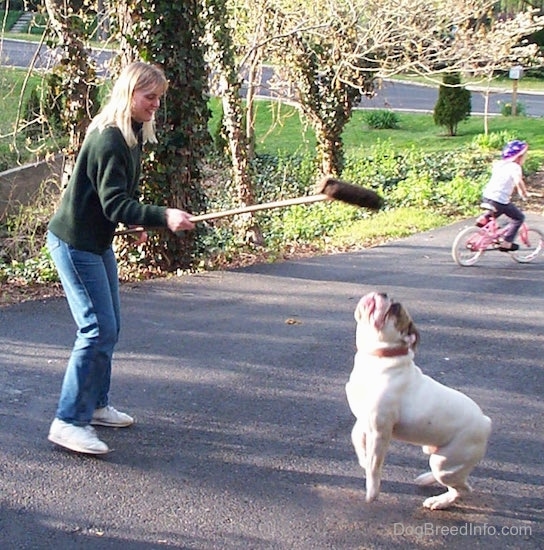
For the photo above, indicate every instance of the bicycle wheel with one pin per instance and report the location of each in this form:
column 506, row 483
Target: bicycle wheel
column 464, row 249
column 529, row 248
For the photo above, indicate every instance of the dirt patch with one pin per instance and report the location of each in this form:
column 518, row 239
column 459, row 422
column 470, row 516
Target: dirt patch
column 19, row 292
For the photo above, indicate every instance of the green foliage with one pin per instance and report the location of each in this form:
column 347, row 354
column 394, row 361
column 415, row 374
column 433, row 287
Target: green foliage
column 12, row 16
column 46, row 107
column 23, row 255
column 442, row 184
column 310, row 223
column 381, row 119
column 74, row 81
column 453, row 104
column 416, row 178
column 220, row 139
column 37, row 269
column 493, row 140
column 506, row 108
column 15, row 146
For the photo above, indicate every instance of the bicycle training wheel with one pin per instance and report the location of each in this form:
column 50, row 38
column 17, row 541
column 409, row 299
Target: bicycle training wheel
column 464, row 250
column 531, row 249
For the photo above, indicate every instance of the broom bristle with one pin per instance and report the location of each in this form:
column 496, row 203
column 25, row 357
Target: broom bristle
column 349, row 193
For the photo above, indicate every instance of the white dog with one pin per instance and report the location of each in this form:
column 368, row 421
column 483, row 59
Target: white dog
column 392, row 399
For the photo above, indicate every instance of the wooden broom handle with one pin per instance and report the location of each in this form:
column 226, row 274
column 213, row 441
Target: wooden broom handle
column 242, row 210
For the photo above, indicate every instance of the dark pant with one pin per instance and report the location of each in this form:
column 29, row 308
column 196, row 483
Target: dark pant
column 517, row 217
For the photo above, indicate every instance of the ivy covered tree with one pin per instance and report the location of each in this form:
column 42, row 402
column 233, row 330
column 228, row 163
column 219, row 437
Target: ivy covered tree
column 453, row 105
column 308, row 48
column 326, row 95
column 170, row 34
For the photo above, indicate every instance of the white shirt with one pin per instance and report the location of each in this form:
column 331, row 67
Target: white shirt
column 505, row 175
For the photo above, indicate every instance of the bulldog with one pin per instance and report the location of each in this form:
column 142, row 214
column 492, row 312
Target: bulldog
column 391, row 398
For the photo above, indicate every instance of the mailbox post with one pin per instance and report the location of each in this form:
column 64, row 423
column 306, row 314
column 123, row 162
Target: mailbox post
column 515, row 74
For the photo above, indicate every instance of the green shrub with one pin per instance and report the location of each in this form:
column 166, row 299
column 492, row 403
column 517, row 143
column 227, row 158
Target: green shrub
column 506, row 108
column 381, row 167
column 493, row 140
column 453, row 104
column 381, row 119
column 415, row 178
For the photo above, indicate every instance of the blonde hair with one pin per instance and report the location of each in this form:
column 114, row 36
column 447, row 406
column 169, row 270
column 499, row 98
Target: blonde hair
column 117, row 111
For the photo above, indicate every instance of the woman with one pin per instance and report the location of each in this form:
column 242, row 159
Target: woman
column 102, row 192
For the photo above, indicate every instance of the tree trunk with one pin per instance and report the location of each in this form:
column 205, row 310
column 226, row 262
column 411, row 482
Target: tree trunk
column 232, row 121
column 223, row 63
column 78, row 79
column 252, row 83
column 169, row 34
column 329, row 150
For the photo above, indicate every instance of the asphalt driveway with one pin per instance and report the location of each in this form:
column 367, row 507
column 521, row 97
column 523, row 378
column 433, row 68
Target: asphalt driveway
column 242, row 440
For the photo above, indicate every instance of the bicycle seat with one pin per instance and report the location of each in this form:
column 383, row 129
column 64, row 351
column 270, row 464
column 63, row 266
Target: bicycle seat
column 488, row 206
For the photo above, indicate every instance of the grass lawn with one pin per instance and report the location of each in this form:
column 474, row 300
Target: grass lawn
column 12, row 82
column 279, row 128
column 419, row 130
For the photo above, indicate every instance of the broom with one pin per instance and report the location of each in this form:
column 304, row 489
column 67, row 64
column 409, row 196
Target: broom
column 329, row 189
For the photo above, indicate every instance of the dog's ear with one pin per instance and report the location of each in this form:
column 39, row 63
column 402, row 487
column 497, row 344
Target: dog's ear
column 405, row 325
column 412, row 336
column 358, row 313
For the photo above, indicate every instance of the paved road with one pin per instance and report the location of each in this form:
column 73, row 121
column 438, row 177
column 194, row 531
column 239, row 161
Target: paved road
column 237, row 380
column 23, row 54
column 402, row 96
column 393, row 95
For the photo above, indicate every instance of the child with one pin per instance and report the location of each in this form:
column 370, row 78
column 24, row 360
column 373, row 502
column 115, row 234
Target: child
column 506, row 175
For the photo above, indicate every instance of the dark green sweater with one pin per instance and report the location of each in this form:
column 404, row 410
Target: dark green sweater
column 102, row 192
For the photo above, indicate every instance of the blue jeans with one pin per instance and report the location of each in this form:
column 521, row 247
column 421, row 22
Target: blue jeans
column 517, row 217
column 91, row 286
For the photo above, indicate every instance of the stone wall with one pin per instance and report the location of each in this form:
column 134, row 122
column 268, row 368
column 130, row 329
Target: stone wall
column 19, row 186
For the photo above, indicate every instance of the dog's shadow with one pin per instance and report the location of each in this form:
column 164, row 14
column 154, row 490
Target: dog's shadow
column 490, row 506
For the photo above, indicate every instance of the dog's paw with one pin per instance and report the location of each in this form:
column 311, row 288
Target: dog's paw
column 441, row 502
column 372, row 489
column 425, row 479
column 436, row 503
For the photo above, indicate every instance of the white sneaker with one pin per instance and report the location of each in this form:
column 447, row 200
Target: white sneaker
column 109, row 416
column 82, row 439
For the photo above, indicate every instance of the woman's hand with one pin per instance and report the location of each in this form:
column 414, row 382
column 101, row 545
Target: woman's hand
column 178, row 220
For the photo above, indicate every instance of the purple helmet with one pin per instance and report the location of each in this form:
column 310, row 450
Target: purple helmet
column 514, row 149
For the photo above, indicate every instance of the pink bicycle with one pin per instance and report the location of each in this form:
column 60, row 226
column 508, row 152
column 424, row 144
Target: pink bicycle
column 472, row 242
